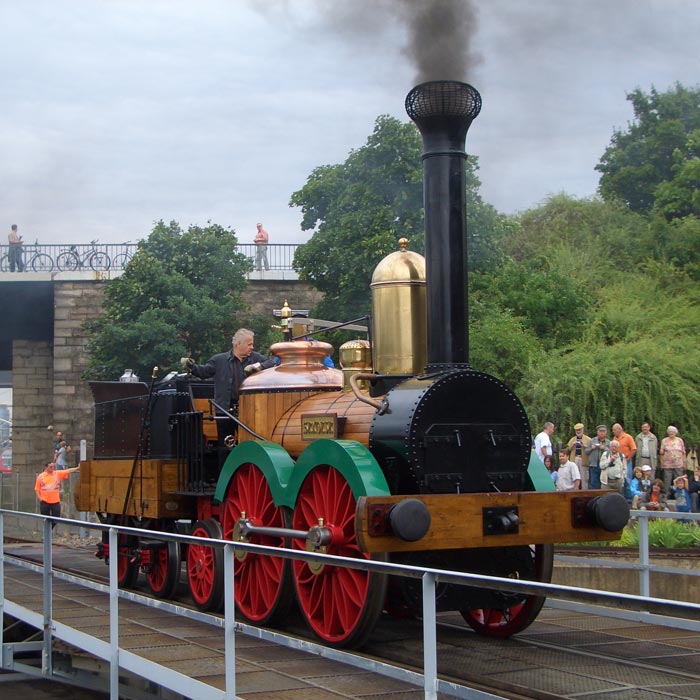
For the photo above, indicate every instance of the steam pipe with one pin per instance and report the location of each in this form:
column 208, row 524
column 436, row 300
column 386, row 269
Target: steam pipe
column 443, row 111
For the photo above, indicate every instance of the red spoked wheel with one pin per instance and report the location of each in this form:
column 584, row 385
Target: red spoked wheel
column 127, row 565
column 163, row 571
column 506, row 621
column 263, row 590
column 340, row 605
column 127, row 555
column 205, row 567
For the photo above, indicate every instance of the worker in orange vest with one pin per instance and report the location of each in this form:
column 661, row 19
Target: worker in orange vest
column 48, row 489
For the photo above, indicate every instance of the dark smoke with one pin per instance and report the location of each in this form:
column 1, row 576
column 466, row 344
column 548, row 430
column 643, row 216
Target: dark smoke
column 441, row 34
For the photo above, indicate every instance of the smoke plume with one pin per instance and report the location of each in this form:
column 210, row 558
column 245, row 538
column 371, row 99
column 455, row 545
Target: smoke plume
column 439, row 33
column 440, row 37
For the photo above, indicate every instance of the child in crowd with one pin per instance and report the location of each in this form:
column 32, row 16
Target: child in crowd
column 655, row 499
column 681, row 494
column 636, row 489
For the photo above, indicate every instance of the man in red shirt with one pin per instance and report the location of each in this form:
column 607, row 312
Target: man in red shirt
column 627, row 446
column 48, row 489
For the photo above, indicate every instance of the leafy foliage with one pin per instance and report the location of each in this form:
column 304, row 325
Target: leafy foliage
column 680, row 196
column 360, row 209
column 639, row 159
column 180, row 295
column 666, row 533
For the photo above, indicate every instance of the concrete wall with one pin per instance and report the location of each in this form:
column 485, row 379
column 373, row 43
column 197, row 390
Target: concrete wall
column 665, row 586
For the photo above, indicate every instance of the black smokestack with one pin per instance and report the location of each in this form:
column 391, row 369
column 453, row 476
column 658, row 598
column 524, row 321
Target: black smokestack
column 443, row 111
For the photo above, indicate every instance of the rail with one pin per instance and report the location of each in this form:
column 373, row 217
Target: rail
column 100, row 257
column 644, row 567
column 657, row 611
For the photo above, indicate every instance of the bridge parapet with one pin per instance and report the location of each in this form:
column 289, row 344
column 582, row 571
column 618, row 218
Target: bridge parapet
column 109, row 257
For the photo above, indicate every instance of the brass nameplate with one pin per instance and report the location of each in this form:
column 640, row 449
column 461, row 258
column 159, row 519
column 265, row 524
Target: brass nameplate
column 321, row 425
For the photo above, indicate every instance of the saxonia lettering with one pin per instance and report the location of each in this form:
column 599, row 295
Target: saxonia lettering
column 315, row 426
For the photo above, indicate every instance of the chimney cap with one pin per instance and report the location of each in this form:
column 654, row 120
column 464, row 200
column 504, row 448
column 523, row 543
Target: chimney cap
column 443, row 98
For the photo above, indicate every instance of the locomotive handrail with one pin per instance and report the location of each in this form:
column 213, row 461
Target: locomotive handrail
column 235, row 419
column 381, row 405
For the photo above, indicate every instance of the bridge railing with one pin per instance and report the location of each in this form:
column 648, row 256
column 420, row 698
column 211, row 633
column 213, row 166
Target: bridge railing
column 38, row 257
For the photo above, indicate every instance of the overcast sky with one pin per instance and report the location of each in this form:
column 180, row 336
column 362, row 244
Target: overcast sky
column 117, row 113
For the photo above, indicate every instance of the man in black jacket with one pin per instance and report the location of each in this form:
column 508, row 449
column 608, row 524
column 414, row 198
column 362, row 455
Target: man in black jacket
column 229, row 369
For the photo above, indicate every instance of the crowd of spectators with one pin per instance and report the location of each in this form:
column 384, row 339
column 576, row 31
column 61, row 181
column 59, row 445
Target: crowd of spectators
column 647, row 471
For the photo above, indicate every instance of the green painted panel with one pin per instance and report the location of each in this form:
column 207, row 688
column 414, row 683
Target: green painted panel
column 540, row 478
column 272, row 460
column 352, row 459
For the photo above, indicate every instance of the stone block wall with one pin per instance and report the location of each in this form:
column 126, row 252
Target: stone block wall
column 32, row 413
column 75, row 303
column 265, row 295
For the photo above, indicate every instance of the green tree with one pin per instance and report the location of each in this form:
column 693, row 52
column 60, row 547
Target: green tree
column 360, row 208
column 680, row 196
column 637, row 359
column 588, row 237
column 179, row 296
column 641, row 157
column 501, row 344
column 549, row 302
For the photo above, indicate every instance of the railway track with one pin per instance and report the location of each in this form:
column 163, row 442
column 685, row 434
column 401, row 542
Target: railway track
column 561, row 655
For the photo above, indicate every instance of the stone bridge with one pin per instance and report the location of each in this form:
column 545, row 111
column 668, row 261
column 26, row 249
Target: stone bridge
column 42, row 349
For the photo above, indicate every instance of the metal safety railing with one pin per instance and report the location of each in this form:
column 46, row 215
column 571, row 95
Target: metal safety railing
column 652, row 610
column 644, row 566
column 101, row 257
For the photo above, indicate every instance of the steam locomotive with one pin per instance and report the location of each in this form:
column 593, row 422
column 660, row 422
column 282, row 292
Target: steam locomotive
column 407, row 453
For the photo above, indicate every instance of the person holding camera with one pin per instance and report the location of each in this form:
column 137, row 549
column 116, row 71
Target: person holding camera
column 576, row 452
column 613, row 468
column 229, row 369
column 597, row 448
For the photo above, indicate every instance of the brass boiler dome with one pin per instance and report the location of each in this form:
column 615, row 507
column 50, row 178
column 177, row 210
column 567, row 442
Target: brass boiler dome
column 399, row 316
column 301, row 368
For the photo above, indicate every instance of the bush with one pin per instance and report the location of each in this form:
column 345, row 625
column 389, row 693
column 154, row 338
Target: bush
column 670, row 534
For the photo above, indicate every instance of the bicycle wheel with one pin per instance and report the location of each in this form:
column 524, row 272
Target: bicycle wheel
column 67, row 261
column 120, row 261
column 99, row 261
column 4, row 263
column 42, row 262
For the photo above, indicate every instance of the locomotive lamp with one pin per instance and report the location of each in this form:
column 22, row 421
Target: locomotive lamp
column 285, row 315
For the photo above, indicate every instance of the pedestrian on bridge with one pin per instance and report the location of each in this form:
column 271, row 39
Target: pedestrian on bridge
column 261, row 240
column 48, row 489
column 14, row 254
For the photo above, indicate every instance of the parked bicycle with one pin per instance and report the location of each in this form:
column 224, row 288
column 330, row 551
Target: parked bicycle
column 121, row 260
column 93, row 258
column 34, row 259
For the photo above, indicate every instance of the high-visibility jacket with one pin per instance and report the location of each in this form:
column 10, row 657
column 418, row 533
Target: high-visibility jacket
column 48, row 486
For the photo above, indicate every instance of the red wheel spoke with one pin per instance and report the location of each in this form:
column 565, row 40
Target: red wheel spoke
column 205, row 568
column 341, row 605
column 262, row 585
column 506, row 621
